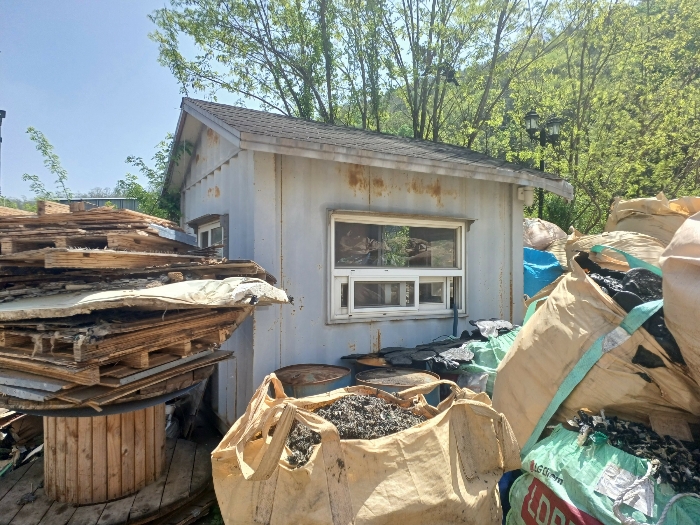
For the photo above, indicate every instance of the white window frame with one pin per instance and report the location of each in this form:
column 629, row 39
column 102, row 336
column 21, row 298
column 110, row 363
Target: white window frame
column 339, row 276
column 208, row 227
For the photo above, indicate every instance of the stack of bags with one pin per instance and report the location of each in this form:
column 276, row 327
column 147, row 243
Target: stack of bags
column 87, row 321
column 602, row 384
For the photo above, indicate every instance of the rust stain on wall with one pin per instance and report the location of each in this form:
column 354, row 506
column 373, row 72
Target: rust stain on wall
column 376, row 343
column 214, row 192
column 356, row 178
column 196, row 157
column 378, row 186
column 212, row 136
column 434, row 189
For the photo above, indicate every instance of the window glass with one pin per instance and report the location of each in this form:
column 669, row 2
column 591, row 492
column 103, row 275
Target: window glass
column 344, row 295
column 204, row 239
column 431, row 292
column 384, row 294
column 217, row 236
column 376, row 245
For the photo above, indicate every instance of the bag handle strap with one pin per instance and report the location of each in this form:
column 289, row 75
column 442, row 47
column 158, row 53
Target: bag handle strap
column 334, row 459
column 255, row 407
column 507, row 442
column 604, row 344
column 633, row 261
column 427, row 388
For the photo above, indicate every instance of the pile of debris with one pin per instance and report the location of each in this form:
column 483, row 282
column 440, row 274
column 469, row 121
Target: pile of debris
column 449, row 353
column 84, row 322
column 630, row 289
column 116, row 229
column 21, row 439
column 675, row 464
column 355, row 417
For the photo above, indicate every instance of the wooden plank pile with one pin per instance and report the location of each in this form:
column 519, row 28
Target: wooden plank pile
column 120, row 352
column 96, row 228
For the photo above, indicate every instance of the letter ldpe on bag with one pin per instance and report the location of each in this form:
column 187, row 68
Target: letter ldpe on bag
column 541, row 506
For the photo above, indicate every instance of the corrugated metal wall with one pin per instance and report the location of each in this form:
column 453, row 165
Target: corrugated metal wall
column 278, row 208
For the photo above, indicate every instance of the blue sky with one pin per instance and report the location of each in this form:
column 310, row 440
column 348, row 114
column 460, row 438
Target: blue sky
column 85, row 74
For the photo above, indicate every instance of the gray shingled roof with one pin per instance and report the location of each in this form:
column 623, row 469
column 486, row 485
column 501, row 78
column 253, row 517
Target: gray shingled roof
column 280, row 126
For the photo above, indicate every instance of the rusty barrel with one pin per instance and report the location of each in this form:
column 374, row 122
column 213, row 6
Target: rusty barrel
column 310, row 379
column 397, row 379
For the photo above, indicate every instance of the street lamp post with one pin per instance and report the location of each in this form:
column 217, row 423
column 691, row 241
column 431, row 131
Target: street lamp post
column 547, row 134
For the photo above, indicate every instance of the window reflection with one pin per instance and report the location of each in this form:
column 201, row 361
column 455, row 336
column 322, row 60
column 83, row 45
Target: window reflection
column 375, row 245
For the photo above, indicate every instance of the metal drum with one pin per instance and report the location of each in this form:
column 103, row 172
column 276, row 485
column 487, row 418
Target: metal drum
column 309, row 379
column 397, row 379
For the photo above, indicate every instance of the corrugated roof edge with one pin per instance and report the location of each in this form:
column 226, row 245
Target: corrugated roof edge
column 263, row 131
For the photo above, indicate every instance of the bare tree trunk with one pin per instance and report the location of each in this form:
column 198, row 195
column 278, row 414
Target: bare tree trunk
column 328, row 59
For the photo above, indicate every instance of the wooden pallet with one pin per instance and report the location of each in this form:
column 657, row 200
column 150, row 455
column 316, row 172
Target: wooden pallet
column 103, row 393
column 93, row 259
column 186, row 483
column 106, row 356
column 8, row 212
column 56, row 227
column 106, row 337
column 95, row 218
column 214, row 269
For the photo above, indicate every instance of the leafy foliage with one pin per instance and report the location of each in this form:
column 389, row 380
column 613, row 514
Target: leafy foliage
column 152, row 199
column 623, row 74
column 21, row 203
column 53, row 164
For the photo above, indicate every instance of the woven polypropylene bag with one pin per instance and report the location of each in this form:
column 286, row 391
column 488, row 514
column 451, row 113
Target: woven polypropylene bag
column 681, row 288
column 442, row 471
column 539, row 234
column 657, row 216
column 560, row 480
column 553, row 341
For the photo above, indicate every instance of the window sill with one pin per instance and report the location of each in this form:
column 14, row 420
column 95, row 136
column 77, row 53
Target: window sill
column 406, row 317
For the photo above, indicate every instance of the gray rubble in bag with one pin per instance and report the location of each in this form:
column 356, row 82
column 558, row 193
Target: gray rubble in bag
column 355, row 417
column 491, row 327
column 678, row 465
column 461, row 353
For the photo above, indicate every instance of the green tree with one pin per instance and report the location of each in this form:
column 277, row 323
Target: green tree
column 152, row 197
column 623, row 74
column 53, row 164
column 280, row 53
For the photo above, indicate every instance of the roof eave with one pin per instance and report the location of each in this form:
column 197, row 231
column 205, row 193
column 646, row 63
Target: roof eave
column 475, row 170
column 171, row 162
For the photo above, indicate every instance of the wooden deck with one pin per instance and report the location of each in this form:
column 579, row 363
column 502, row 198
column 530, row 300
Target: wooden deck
column 183, row 493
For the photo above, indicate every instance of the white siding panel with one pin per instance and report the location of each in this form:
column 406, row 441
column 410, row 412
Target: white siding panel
column 306, row 189
column 278, row 207
column 210, row 152
column 217, row 184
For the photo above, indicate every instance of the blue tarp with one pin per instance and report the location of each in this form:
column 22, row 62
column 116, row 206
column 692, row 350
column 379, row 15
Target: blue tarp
column 541, row 269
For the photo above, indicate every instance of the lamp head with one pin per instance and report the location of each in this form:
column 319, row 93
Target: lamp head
column 532, row 123
column 554, row 128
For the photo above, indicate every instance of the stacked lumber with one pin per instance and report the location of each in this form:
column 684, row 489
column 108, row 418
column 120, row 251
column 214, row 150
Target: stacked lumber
column 102, row 227
column 18, row 282
column 94, row 326
column 5, row 211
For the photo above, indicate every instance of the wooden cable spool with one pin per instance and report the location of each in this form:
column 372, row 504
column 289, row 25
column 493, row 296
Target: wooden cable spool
column 103, row 458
